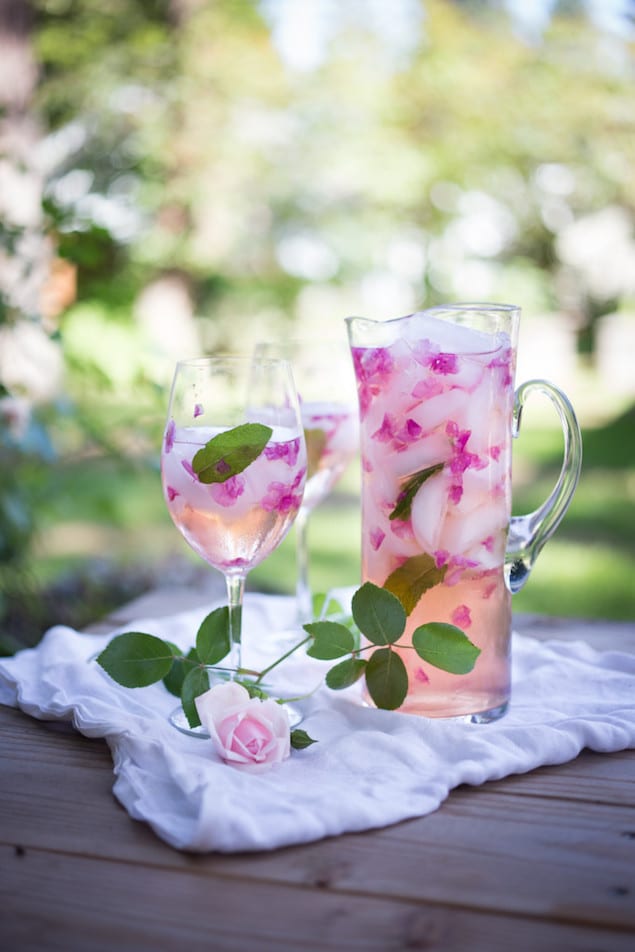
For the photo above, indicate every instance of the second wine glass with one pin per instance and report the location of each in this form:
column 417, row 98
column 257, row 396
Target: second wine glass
column 325, row 381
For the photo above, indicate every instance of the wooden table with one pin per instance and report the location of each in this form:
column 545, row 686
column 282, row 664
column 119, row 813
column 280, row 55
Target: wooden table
column 542, row 861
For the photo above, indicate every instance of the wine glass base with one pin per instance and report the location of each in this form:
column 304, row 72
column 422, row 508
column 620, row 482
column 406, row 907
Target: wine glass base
column 179, row 720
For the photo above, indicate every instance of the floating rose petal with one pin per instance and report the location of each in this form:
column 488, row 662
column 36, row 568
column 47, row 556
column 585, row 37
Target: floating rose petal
column 172, row 493
column 426, row 388
column 386, row 431
column 169, row 436
column 280, row 497
column 226, row 494
column 461, row 617
column 198, row 410
column 377, row 536
column 488, row 543
column 444, row 364
column 421, row 676
column 187, row 466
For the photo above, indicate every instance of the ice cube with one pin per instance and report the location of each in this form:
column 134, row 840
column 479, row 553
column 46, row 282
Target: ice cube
column 428, row 512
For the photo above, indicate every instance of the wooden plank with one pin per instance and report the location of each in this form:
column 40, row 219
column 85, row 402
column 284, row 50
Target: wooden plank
column 578, row 863
column 51, row 901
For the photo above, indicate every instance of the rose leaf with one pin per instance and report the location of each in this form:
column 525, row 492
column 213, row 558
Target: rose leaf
column 386, row 679
column 379, row 614
column 446, row 647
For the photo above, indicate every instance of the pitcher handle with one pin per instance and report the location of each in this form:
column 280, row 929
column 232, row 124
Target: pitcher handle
column 528, row 534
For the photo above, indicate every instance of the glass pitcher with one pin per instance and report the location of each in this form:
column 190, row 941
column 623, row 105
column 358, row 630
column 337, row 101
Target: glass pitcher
column 438, row 411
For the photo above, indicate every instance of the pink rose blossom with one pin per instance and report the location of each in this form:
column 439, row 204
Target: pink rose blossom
column 246, row 732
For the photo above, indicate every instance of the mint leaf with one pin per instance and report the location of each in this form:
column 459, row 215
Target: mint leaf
column 446, row 647
column 135, row 659
column 213, row 639
column 195, row 682
column 379, row 615
column 345, row 673
column 230, row 452
column 300, row 739
column 180, row 667
column 410, row 489
column 413, row 578
column 330, row 640
column 386, row 679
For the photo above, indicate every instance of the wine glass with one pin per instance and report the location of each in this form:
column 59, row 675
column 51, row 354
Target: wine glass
column 233, row 466
column 324, row 377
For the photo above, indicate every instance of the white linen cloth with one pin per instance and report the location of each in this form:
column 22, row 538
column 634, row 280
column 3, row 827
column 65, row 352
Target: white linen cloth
column 370, row 768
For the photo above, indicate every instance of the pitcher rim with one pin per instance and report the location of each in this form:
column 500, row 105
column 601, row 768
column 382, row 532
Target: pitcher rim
column 454, row 306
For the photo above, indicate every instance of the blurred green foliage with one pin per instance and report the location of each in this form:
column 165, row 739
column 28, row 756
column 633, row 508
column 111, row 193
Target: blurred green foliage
column 181, row 138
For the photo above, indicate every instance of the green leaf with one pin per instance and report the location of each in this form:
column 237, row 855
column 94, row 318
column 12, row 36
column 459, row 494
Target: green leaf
column 253, row 689
column 412, row 579
column 379, row 614
column 136, row 659
column 386, row 679
column 180, row 667
column 345, row 673
column 446, row 647
column 324, row 605
column 195, row 682
column 230, row 452
column 213, row 639
column 410, row 489
column 300, row 739
column 330, row 640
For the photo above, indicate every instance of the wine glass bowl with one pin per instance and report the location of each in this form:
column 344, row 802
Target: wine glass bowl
column 327, row 394
column 233, row 466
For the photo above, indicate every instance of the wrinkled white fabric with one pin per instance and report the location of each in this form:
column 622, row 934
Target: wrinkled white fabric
column 369, row 768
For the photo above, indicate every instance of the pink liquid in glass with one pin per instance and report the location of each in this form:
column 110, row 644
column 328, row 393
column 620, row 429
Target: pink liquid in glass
column 236, row 524
column 446, row 402
column 331, row 434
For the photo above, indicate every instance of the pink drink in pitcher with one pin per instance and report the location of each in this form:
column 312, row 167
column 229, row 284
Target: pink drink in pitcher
column 436, row 398
column 235, row 524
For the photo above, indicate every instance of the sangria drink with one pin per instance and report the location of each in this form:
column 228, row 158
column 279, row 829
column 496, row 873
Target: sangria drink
column 235, row 524
column 331, row 434
column 436, row 403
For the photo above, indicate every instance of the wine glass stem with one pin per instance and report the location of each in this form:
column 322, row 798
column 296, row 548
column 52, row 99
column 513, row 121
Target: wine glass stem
column 303, row 590
column 235, row 591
